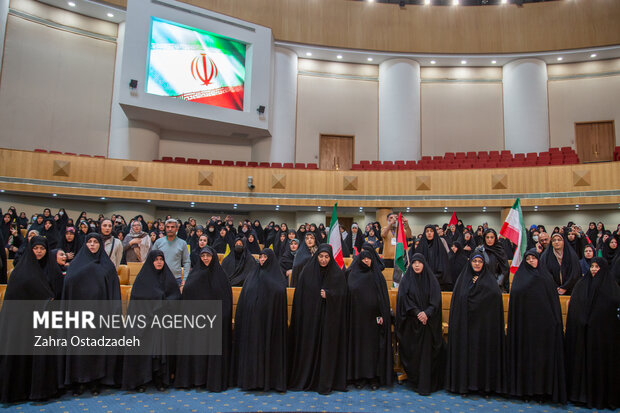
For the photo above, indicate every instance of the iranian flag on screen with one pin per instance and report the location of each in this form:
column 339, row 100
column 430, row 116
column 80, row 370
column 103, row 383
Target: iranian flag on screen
column 514, row 230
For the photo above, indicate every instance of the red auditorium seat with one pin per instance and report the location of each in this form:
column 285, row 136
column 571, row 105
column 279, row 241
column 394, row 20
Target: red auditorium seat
column 388, row 165
column 554, row 150
column 192, row 161
column 263, row 165
column 241, row 163
column 556, row 161
column 179, row 159
column 217, row 162
column 364, row 162
column 449, row 155
column 519, row 157
column 483, row 154
column 376, row 164
column 300, row 165
column 312, row 166
column 287, row 165
column 276, row 164
column 493, row 153
column 356, row 167
column 85, row 155
column 100, row 156
column 71, row 153
column 56, row 152
column 566, row 149
column 617, row 153
column 228, row 163
column 40, row 150
column 399, row 162
column 204, row 162
column 167, row 158
column 506, row 153
column 252, row 164
column 411, row 164
column 459, row 155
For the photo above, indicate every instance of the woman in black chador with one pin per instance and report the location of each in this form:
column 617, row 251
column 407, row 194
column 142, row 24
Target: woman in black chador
column 317, row 340
column 593, row 339
column 369, row 324
column 476, row 335
column 418, row 327
column 155, row 282
column 562, row 263
column 239, row 264
column 24, row 377
column 498, row 262
column 208, row 281
column 305, row 252
column 534, row 339
column 92, row 276
column 434, row 249
column 259, row 358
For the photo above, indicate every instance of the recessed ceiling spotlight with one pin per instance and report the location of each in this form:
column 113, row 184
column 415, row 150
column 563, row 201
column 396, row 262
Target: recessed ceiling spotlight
column 535, row 206
column 560, row 59
column 455, row 2
column 463, row 62
column 408, row 209
column 370, row 59
column 371, row 1
column 1, row 190
column 148, row 200
column 504, row 1
column 71, row 4
column 593, row 55
column 493, row 62
column 427, row 2
column 339, row 56
column 577, row 206
column 433, row 62
column 102, row 198
column 54, row 194
column 308, row 54
column 110, row 15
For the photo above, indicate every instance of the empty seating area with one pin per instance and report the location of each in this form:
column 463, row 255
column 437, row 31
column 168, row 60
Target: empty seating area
column 68, row 153
column 250, row 164
column 480, row 160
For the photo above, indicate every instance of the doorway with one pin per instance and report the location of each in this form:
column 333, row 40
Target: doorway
column 595, row 141
column 336, row 152
column 344, row 222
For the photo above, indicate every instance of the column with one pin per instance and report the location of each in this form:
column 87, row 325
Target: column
column 284, row 109
column 399, row 110
column 526, row 110
column 4, row 15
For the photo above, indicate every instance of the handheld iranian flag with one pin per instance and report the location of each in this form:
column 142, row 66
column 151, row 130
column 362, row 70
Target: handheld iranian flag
column 335, row 239
column 401, row 242
column 514, row 230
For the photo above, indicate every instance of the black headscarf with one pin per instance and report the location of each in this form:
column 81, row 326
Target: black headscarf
column 55, row 274
column 534, row 349
column 24, row 377
column 208, row 283
column 253, row 246
column 607, row 252
column 593, row 339
column 498, row 262
column 566, row 275
column 592, row 233
column 301, row 258
column 260, row 233
column 156, row 286
column 422, row 349
column 457, row 260
column 370, row 344
column 317, row 341
column 239, row 265
column 476, row 333
column 435, row 254
column 286, row 259
column 259, row 358
column 51, row 234
column 73, row 246
column 5, row 227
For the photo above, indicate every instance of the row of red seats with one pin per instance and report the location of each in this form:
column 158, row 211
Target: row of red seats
column 251, row 164
column 68, row 153
column 617, row 153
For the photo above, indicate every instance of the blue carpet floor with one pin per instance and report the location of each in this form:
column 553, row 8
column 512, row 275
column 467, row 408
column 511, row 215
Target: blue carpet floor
column 395, row 399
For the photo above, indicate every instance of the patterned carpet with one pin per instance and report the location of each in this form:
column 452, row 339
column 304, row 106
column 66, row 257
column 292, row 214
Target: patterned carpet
column 396, row 399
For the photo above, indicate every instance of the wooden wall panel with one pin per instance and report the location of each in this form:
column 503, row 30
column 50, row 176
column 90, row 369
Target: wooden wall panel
column 305, row 184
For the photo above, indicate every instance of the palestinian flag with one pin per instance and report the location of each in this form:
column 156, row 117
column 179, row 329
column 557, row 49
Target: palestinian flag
column 514, row 230
column 399, row 254
column 335, row 239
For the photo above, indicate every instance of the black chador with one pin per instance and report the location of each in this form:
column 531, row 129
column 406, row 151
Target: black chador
column 24, row 377
column 154, row 285
column 317, row 340
column 92, row 276
column 534, row 338
column 369, row 323
column 475, row 359
column 418, row 327
column 259, row 358
column 435, row 253
column 240, row 263
column 207, row 282
column 593, row 340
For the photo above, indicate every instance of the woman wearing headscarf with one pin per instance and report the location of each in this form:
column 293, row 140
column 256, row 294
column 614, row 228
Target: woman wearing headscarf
column 5, row 226
column 220, row 243
column 252, row 243
column 468, row 242
column 304, row 253
column 56, row 270
column 317, row 340
column 435, row 250
column 83, row 230
column 211, row 233
column 475, row 361
column 591, row 233
column 562, row 262
column 273, row 235
column 92, row 276
column 588, row 254
column 593, row 339
column 286, row 260
column 193, row 239
column 259, row 356
column 15, row 240
column 457, row 260
column 239, row 264
column 258, row 229
column 137, row 243
column 609, row 251
column 37, row 225
column 194, row 256
column 372, row 238
column 156, row 283
column 498, row 262
column 418, row 327
column 27, row 377
column 369, row 324
column 281, row 244
column 69, row 244
column 207, row 281
column 574, row 240
column 534, row 338
column 50, row 232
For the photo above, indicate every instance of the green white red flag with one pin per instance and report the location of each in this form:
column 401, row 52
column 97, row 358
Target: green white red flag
column 335, row 239
column 514, row 230
column 401, row 243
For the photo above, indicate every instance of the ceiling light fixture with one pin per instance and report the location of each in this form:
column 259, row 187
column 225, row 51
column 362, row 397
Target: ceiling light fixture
column 593, row 55
column 433, row 62
column 560, row 59
column 71, row 4
column 339, row 56
column 463, row 62
column 493, row 62
column 110, row 15
column 370, row 59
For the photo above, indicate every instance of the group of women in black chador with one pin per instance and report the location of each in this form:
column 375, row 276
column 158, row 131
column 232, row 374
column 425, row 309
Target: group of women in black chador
column 341, row 325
